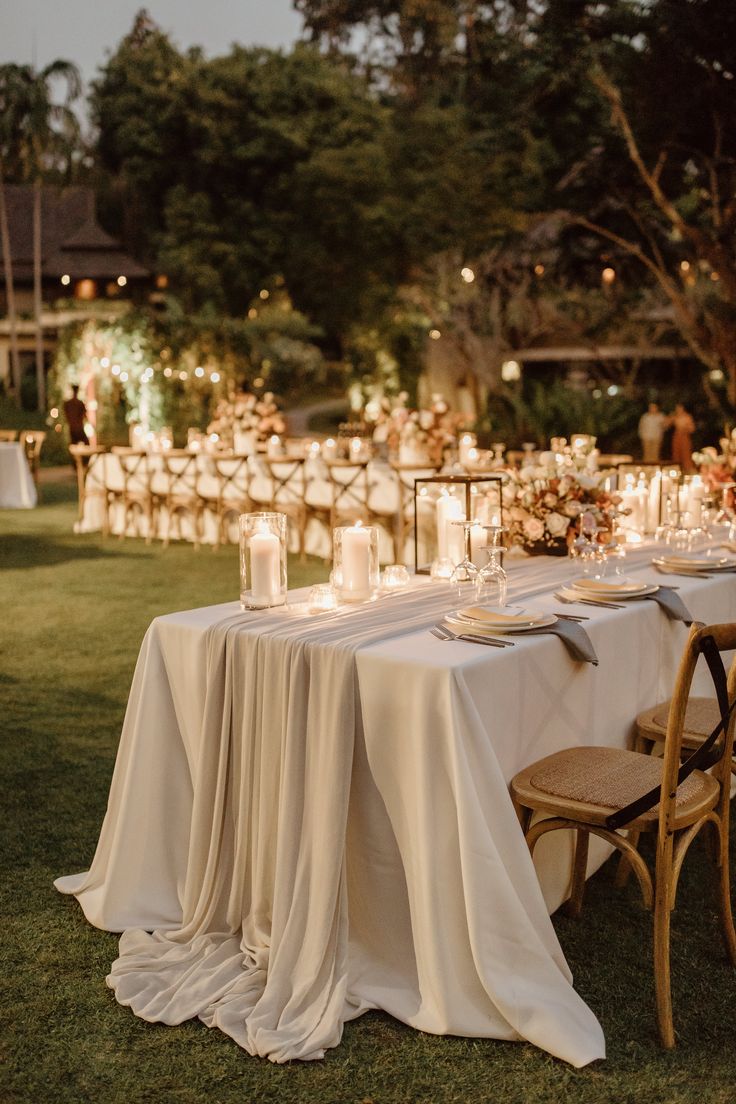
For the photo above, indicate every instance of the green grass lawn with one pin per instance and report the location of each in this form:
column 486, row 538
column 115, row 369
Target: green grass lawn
column 74, row 610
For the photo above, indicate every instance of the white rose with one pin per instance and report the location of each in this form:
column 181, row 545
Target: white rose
column 426, row 419
column 546, row 459
column 550, row 499
column 533, row 529
column 573, row 508
column 557, row 524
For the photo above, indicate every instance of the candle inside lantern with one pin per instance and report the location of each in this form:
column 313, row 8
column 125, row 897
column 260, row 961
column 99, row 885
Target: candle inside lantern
column 654, row 501
column 329, row 449
column 696, row 494
column 356, row 448
column 448, row 508
column 478, row 542
column 274, row 446
column 265, row 567
column 356, row 561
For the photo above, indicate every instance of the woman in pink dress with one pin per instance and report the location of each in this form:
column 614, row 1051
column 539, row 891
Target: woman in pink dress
column 682, row 438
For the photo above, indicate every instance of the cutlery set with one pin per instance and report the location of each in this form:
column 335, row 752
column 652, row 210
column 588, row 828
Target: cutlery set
column 442, row 632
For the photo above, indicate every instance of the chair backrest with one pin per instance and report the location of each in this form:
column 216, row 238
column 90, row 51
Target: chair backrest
column 724, row 637
column 8, row 434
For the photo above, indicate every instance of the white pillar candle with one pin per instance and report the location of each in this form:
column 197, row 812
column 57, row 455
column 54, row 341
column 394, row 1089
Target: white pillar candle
column 329, row 449
column 447, row 507
column 274, row 447
column 356, row 560
column 356, row 448
column 654, row 501
column 265, row 567
column 696, row 494
column 478, row 542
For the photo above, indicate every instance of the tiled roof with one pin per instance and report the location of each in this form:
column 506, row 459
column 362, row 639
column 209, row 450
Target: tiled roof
column 71, row 240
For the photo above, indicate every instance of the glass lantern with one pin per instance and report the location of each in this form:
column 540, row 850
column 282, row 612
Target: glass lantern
column 440, row 502
column 651, row 492
column 355, row 569
column 262, row 560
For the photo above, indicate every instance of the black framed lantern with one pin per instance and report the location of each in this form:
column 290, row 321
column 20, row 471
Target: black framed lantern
column 441, row 501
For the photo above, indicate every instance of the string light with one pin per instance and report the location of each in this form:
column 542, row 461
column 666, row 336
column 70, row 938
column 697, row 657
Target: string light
column 608, row 275
column 435, row 335
column 115, row 369
column 183, row 376
column 122, row 281
column 215, row 377
column 199, row 371
column 66, row 279
column 252, row 313
column 168, row 372
column 539, row 270
column 684, row 266
column 264, row 293
column 467, row 274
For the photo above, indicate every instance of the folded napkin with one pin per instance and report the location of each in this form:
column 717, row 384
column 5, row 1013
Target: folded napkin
column 574, row 637
column 672, row 604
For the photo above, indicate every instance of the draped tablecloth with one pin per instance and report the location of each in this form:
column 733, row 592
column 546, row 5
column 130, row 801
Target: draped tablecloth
column 310, row 817
column 17, row 489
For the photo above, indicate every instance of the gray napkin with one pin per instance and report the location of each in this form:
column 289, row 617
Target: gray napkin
column 672, row 604
column 574, row 637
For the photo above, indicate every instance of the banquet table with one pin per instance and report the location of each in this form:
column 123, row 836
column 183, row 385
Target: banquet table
column 17, row 489
column 310, row 817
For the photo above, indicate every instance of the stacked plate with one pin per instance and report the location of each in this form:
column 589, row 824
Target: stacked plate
column 696, row 561
column 616, row 587
column 499, row 619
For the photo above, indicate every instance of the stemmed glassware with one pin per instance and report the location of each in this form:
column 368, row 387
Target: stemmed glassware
column 464, row 577
column 585, row 548
column 492, row 580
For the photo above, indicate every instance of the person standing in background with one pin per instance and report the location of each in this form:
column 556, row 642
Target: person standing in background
column 75, row 413
column 682, row 438
column 652, row 425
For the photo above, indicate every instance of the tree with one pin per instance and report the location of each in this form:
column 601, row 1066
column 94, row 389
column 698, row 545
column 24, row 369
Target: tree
column 45, row 137
column 9, row 99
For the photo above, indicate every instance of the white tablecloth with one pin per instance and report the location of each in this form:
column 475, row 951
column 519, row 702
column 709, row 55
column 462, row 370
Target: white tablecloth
column 313, row 817
column 17, row 489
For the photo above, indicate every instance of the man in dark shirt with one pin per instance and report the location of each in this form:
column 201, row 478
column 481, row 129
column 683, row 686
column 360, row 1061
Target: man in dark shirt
column 75, row 413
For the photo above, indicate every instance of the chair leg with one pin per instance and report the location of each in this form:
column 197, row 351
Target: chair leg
column 724, row 889
column 580, row 867
column 624, row 866
column 662, row 912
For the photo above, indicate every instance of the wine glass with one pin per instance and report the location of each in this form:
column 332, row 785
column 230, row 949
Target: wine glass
column 492, row 580
column 464, row 577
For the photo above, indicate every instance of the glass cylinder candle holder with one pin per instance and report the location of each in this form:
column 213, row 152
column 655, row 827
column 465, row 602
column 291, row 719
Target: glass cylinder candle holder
column 355, row 570
column 262, row 560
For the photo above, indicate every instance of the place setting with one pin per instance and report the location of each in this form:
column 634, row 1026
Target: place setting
column 614, row 592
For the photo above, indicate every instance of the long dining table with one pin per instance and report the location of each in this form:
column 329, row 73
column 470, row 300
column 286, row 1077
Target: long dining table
column 309, row 816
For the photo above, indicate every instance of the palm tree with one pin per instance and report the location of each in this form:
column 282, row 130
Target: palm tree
column 46, row 134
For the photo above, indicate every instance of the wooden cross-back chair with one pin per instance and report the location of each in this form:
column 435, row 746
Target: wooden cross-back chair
column 600, row 791
column 8, row 434
column 32, row 441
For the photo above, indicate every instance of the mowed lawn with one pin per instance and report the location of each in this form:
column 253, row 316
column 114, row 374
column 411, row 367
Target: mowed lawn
column 74, row 611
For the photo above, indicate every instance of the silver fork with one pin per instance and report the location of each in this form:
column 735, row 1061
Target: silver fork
column 586, row 602
column 443, row 633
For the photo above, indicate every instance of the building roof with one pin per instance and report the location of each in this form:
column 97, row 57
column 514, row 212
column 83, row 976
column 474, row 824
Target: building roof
column 72, row 242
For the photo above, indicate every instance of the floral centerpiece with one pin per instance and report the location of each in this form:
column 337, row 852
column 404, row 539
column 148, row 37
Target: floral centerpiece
column 543, row 499
column 717, row 467
column 243, row 421
column 415, row 436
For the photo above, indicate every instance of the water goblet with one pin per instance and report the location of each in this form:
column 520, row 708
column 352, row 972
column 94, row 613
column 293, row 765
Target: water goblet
column 465, row 574
column 491, row 584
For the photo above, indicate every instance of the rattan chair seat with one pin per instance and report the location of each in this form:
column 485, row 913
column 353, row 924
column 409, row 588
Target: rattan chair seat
column 701, row 717
column 593, row 782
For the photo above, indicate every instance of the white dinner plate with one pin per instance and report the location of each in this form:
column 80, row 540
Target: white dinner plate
column 497, row 617
column 619, row 586
column 460, row 625
column 613, row 595
column 696, row 561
